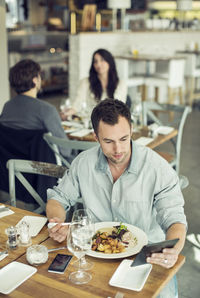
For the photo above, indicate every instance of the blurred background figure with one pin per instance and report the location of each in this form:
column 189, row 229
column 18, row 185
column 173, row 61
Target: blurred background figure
column 103, row 82
column 25, row 110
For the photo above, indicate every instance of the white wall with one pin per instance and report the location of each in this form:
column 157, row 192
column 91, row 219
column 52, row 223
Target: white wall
column 4, row 84
column 83, row 45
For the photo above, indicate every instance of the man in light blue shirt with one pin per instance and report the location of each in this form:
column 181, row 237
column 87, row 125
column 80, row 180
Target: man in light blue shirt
column 121, row 181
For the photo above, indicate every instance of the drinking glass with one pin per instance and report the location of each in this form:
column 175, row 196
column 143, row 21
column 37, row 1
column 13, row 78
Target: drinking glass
column 83, row 216
column 85, row 114
column 79, row 240
column 136, row 112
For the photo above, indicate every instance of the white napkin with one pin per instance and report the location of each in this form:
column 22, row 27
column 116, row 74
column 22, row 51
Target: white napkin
column 81, row 133
column 164, row 130
column 144, row 141
column 3, row 256
column 5, row 213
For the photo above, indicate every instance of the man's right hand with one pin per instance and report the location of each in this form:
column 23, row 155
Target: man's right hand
column 58, row 232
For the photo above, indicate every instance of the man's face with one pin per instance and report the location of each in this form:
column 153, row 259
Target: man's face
column 115, row 141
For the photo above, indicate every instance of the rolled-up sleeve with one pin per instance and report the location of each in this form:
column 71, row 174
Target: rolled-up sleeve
column 168, row 200
column 66, row 192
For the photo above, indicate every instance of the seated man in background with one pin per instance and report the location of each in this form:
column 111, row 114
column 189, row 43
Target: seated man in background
column 25, row 111
column 124, row 182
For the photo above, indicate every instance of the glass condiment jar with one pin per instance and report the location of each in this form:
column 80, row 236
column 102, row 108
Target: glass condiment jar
column 12, row 242
column 37, row 254
column 24, row 234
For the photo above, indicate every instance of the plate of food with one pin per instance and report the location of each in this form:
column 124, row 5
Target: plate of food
column 114, row 240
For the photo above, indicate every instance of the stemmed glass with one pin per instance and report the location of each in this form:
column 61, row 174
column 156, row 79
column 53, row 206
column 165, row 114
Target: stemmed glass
column 84, row 216
column 85, row 114
column 79, row 240
column 136, row 112
column 64, row 108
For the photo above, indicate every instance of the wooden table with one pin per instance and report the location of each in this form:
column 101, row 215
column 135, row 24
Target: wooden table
column 147, row 58
column 48, row 284
column 160, row 139
column 12, row 220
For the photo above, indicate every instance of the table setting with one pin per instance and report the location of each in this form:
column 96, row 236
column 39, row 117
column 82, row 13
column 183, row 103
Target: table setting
column 97, row 274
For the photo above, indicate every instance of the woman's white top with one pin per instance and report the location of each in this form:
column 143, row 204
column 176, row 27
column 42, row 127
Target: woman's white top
column 85, row 96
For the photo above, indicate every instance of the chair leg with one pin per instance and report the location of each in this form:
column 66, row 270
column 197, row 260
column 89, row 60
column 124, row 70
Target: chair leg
column 144, row 92
column 171, row 95
column 180, row 92
column 191, row 90
column 156, row 94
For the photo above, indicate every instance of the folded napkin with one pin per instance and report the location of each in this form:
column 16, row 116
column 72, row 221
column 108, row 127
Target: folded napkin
column 81, row 133
column 164, row 130
column 144, row 141
column 6, row 212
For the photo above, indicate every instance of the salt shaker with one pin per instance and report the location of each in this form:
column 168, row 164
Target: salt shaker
column 24, row 234
column 12, row 241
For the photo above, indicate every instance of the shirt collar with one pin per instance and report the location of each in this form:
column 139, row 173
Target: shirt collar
column 102, row 163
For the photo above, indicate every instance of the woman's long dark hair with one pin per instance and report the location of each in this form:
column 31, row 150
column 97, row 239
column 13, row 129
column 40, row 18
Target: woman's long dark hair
column 95, row 84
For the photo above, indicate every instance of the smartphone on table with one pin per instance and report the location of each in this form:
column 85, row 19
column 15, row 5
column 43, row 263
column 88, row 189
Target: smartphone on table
column 59, row 263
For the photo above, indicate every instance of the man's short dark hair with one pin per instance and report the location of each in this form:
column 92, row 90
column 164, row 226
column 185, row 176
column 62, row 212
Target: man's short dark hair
column 21, row 75
column 108, row 111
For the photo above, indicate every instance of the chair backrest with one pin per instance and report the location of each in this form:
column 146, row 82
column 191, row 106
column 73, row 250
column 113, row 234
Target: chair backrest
column 18, row 166
column 55, row 143
column 176, row 73
column 181, row 112
column 190, row 65
column 21, row 144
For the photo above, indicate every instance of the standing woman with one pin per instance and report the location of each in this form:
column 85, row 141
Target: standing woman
column 103, row 82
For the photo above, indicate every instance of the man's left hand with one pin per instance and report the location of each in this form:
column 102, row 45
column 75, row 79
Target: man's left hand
column 165, row 259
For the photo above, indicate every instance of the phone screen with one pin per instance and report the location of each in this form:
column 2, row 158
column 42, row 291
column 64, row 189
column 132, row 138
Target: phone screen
column 59, row 264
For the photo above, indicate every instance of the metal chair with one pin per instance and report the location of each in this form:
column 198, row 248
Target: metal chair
column 180, row 115
column 55, row 143
column 18, row 166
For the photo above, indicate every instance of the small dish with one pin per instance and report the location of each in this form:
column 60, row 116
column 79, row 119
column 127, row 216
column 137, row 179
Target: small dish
column 13, row 275
column 132, row 278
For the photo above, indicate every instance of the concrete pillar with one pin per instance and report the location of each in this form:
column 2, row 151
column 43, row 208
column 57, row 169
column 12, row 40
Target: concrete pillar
column 4, row 83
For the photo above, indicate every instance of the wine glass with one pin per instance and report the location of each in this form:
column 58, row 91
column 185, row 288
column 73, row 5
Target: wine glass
column 136, row 112
column 65, row 108
column 85, row 114
column 84, row 216
column 79, row 240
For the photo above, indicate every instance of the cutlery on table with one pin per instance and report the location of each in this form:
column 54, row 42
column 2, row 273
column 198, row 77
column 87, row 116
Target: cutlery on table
column 53, row 224
column 57, row 248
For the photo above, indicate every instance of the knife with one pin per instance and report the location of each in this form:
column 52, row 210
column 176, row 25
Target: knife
column 4, row 209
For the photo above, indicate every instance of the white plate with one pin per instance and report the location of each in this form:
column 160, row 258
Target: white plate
column 81, row 133
column 13, row 275
column 132, row 278
column 143, row 141
column 138, row 233
column 36, row 223
column 72, row 123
